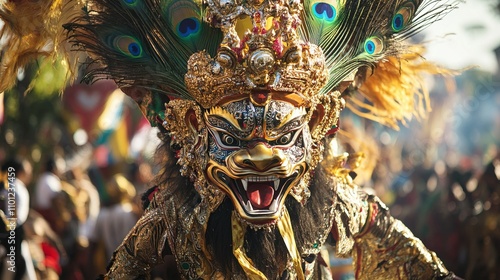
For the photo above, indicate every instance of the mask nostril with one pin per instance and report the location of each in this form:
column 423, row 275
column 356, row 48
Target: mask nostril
column 248, row 162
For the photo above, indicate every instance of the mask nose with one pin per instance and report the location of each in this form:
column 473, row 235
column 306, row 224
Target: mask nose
column 259, row 157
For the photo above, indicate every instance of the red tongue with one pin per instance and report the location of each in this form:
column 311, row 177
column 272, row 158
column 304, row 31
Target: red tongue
column 260, row 194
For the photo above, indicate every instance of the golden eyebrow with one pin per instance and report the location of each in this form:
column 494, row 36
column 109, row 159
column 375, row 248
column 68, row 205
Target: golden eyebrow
column 223, row 113
column 294, row 114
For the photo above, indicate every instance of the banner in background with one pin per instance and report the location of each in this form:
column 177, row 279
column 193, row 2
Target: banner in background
column 87, row 102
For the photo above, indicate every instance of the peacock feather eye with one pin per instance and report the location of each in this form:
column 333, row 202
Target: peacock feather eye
column 374, row 45
column 185, row 18
column 325, row 10
column 403, row 16
column 397, row 22
column 129, row 46
column 131, row 3
column 188, row 26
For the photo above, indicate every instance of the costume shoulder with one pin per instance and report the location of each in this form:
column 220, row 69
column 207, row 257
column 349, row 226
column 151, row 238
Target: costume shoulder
column 381, row 246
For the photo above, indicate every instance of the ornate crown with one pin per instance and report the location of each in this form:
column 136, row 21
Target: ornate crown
column 260, row 53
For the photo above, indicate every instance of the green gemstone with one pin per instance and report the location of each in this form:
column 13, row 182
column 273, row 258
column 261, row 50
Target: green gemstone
column 315, row 245
column 185, row 266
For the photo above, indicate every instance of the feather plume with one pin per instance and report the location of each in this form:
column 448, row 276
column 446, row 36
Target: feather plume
column 352, row 39
column 357, row 34
column 31, row 29
column 396, row 90
column 143, row 43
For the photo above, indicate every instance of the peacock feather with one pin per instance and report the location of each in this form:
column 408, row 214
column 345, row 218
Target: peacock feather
column 144, row 43
column 356, row 34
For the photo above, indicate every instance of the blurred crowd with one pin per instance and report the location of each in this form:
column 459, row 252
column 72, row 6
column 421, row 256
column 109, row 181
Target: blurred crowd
column 460, row 219
column 67, row 227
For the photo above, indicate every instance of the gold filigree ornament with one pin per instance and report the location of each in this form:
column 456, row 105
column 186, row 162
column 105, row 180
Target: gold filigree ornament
column 188, row 131
column 260, row 51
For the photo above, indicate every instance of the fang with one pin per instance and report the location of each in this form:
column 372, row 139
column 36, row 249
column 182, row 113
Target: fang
column 248, row 206
column 274, row 206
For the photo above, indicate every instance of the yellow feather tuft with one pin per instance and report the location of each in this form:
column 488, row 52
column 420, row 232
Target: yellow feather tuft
column 397, row 91
column 363, row 150
column 32, row 29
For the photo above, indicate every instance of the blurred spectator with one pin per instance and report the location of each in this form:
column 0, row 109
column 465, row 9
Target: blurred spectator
column 69, row 206
column 141, row 175
column 46, row 247
column 87, row 202
column 87, row 206
column 21, row 171
column 482, row 229
column 115, row 221
column 47, row 187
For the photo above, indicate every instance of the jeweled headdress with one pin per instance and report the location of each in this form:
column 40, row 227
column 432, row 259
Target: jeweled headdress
column 215, row 50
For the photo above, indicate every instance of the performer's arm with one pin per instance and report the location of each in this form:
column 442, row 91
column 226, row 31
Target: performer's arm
column 386, row 249
column 142, row 249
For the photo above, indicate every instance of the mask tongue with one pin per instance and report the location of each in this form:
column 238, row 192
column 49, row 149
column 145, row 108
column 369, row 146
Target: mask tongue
column 260, row 194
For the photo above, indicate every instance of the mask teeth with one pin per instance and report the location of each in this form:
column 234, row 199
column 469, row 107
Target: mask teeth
column 248, row 206
column 261, row 179
column 274, row 205
column 276, row 184
column 244, row 182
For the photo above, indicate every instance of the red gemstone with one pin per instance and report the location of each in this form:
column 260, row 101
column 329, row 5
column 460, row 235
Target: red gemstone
column 260, row 97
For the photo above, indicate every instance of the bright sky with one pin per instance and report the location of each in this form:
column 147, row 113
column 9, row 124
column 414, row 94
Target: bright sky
column 466, row 36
